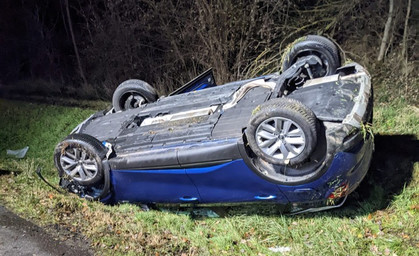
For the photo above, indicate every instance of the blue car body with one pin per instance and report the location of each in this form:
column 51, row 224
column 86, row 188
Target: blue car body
column 194, row 164
column 236, row 182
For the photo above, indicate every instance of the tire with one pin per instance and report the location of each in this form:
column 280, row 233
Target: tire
column 282, row 131
column 79, row 156
column 331, row 46
column 318, row 46
column 132, row 94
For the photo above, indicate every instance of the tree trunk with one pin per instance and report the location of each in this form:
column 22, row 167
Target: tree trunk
column 386, row 35
column 76, row 51
column 406, row 29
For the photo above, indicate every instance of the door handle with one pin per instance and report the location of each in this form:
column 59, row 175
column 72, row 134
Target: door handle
column 265, row 197
column 188, row 199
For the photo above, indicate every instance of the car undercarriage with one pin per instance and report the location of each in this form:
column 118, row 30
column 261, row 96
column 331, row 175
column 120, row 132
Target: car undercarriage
column 298, row 136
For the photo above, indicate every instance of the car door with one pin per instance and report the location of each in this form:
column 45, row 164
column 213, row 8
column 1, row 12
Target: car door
column 233, row 182
column 154, row 186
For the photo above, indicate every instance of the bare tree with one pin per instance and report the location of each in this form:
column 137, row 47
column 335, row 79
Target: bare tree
column 386, row 35
column 406, row 30
column 76, row 51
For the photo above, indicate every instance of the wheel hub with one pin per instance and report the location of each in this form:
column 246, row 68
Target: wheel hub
column 280, row 138
column 134, row 101
column 78, row 164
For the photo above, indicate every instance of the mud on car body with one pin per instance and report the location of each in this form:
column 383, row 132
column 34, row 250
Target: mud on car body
column 294, row 137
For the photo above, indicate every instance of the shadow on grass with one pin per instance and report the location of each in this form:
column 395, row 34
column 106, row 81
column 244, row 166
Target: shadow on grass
column 390, row 171
column 4, row 172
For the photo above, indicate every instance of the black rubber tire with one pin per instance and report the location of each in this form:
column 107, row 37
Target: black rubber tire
column 290, row 109
column 132, row 87
column 331, row 46
column 90, row 145
column 314, row 45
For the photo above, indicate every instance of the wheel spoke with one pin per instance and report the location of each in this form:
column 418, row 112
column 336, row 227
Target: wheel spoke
column 267, row 143
column 86, row 172
column 89, row 167
column 268, row 127
column 278, row 125
column 74, row 171
column 284, row 151
column 294, row 140
column 292, row 150
column 271, row 150
column 286, row 127
column 266, row 135
column 82, row 173
column 68, row 160
column 295, row 132
column 70, row 169
column 76, row 154
column 91, row 172
column 89, row 161
column 67, row 153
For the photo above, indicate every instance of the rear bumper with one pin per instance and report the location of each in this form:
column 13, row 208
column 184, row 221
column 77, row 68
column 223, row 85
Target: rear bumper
column 358, row 172
column 347, row 170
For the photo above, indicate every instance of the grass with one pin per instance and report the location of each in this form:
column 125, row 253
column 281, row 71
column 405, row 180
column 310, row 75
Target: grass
column 379, row 218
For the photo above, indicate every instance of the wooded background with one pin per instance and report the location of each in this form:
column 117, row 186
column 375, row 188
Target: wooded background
column 85, row 48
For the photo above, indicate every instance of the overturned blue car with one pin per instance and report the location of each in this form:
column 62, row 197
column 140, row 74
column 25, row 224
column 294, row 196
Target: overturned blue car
column 299, row 137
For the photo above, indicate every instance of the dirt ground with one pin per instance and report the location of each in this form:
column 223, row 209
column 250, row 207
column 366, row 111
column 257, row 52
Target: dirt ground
column 21, row 237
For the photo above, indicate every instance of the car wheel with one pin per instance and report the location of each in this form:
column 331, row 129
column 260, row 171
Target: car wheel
column 282, row 131
column 132, row 94
column 79, row 158
column 318, row 46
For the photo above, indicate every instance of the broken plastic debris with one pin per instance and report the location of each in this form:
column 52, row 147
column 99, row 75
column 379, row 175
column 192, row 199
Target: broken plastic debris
column 109, row 147
column 18, row 153
column 206, row 213
column 144, row 207
column 280, row 249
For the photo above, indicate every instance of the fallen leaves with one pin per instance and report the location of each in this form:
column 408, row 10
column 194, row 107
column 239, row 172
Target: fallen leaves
column 375, row 250
column 414, row 207
column 280, row 249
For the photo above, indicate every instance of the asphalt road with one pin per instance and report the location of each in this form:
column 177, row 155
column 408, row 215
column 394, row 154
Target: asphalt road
column 21, row 237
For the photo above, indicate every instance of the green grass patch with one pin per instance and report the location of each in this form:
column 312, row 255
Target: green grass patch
column 396, row 118
column 379, row 218
column 38, row 126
